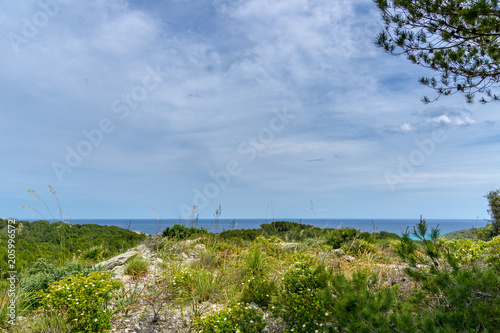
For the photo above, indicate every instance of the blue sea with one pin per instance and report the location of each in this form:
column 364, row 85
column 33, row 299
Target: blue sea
column 397, row 226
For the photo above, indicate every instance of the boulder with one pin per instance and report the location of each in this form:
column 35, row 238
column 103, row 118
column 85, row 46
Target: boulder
column 290, row 246
column 119, row 260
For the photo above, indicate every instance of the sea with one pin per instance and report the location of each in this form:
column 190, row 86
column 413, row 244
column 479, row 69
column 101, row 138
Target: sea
column 397, row 226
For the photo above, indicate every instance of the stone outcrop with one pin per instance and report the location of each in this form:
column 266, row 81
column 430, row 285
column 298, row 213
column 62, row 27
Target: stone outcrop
column 119, row 260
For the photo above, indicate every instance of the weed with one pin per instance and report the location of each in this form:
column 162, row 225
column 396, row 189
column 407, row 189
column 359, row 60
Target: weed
column 137, row 267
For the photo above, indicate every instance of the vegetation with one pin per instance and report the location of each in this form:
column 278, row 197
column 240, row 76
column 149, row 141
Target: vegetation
column 136, row 267
column 180, row 231
column 494, row 203
column 331, row 280
column 82, row 300
column 244, row 318
column 457, row 38
column 62, row 242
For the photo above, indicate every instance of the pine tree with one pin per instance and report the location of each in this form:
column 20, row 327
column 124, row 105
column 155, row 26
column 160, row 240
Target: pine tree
column 457, row 38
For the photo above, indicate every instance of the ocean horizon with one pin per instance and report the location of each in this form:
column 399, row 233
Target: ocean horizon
column 397, row 226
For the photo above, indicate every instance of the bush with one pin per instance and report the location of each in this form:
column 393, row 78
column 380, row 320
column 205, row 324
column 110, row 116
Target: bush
column 43, row 273
column 359, row 246
column 337, row 237
column 356, row 304
column 300, row 302
column 494, row 203
column 466, row 295
column 136, row 267
column 83, row 300
column 95, row 253
column 179, row 232
column 244, row 318
column 245, row 234
column 258, row 290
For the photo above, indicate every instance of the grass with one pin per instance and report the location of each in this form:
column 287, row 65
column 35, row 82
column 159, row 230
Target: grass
column 137, row 267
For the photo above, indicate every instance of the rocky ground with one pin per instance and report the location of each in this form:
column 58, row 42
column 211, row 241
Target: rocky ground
column 151, row 311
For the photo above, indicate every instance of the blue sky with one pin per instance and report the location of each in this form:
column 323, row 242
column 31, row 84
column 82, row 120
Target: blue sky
column 123, row 106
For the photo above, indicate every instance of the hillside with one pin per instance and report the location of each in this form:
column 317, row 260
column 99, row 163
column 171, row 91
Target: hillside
column 281, row 277
column 61, row 242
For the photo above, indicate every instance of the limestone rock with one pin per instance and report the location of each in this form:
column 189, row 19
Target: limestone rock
column 119, row 260
column 290, row 246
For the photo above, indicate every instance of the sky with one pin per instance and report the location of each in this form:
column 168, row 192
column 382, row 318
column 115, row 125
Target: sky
column 284, row 108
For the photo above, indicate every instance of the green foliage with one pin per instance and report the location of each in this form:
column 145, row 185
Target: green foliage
column 290, row 231
column 354, row 241
column 43, row 273
column 467, row 295
column 337, row 237
column 358, row 306
column 301, row 300
column 62, row 241
column 293, row 231
column 244, row 318
column 95, row 253
column 254, row 261
column 137, row 267
column 465, row 251
column 52, row 322
column 457, row 38
column 493, row 256
column 258, row 290
column 494, row 203
column 83, row 300
column 359, row 246
column 179, row 232
column 244, row 234
column 199, row 285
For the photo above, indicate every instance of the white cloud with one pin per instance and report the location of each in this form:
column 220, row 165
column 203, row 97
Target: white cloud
column 227, row 66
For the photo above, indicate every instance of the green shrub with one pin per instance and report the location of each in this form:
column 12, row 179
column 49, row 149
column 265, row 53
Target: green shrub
column 282, row 226
column 464, row 251
column 43, row 273
column 258, row 290
column 136, row 267
column 494, row 204
column 301, row 301
column 466, row 295
column 337, row 237
column 357, row 305
column 386, row 235
column 244, row 234
column 95, row 253
column 83, row 300
column 179, row 232
column 244, row 318
column 359, row 246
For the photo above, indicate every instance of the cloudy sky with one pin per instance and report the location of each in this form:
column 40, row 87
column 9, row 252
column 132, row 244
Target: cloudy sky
column 281, row 107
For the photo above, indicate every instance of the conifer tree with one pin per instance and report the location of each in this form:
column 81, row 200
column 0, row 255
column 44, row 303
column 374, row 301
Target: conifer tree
column 494, row 203
column 457, row 38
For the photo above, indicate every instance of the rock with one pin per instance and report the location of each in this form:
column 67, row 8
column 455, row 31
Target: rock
column 349, row 258
column 200, row 247
column 117, row 261
column 118, row 270
column 143, row 250
column 189, row 241
column 339, row 252
column 290, row 246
